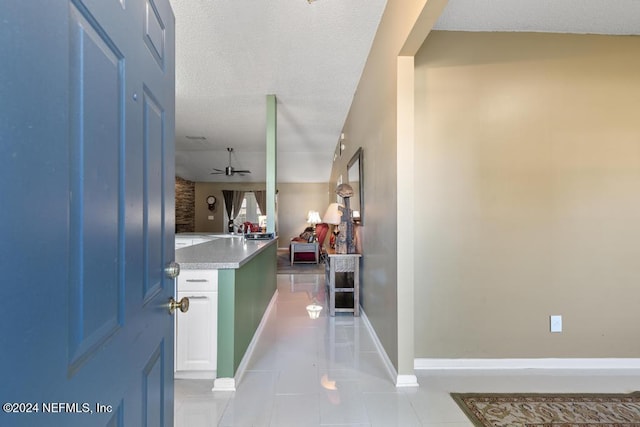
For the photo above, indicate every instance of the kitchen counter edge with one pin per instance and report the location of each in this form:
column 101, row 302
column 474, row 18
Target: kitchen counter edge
column 221, row 253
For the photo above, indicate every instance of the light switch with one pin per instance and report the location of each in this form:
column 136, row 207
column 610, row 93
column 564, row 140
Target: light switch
column 210, row 217
column 556, row 323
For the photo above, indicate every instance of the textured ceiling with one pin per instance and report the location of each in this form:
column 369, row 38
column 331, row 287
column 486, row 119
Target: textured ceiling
column 554, row 16
column 230, row 54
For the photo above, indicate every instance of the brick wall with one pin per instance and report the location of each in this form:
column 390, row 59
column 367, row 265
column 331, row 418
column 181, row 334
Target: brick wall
column 185, row 205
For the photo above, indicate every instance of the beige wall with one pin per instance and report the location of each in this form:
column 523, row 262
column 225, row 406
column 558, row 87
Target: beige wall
column 528, row 159
column 372, row 125
column 294, row 202
column 204, row 189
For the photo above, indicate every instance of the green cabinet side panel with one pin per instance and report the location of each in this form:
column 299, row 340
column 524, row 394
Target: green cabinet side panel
column 243, row 297
column 255, row 286
column 226, row 314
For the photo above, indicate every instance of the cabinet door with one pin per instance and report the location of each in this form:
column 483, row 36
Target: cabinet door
column 196, row 336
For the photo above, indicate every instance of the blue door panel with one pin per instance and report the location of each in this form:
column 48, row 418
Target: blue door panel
column 154, row 32
column 34, row 177
column 153, row 189
column 96, row 265
column 153, row 390
column 86, row 224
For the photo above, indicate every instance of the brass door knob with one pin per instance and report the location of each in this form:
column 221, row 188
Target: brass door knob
column 183, row 305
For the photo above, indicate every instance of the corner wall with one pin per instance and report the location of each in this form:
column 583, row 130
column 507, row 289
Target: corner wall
column 372, row 125
column 528, row 148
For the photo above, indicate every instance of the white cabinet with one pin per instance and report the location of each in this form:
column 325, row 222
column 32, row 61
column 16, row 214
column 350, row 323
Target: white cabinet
column 182, row 241
column 196, row 337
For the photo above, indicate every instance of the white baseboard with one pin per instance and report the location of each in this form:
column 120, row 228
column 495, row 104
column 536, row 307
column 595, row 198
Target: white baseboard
column 543, row 363
column 224, row 384
column 229, row 384
column 407, row 381
column 398, row 380
column 194, row 375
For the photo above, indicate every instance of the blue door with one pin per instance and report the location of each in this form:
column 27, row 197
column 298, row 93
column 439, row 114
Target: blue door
column 86, row 212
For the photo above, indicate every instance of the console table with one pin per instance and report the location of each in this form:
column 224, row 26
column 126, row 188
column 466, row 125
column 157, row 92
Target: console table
column 299, row 247
column 343, row 263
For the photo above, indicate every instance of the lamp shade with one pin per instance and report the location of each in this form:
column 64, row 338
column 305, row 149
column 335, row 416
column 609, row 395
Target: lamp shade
column 313, row 217
column 333, row 214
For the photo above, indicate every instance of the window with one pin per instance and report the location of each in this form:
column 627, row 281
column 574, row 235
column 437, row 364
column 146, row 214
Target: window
column 249, row 210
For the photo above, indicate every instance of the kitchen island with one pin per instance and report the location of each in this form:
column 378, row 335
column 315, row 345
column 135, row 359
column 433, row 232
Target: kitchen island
column 242, row 273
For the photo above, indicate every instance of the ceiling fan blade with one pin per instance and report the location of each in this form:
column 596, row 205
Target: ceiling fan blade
column 229, row 170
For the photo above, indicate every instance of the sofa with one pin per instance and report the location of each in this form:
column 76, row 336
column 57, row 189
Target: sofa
column 251, row 227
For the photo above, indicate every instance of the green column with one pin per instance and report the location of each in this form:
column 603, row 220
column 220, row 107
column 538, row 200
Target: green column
column 272, row 146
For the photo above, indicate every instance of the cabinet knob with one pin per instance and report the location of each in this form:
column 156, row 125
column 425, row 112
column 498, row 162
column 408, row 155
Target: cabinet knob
column 183, row 305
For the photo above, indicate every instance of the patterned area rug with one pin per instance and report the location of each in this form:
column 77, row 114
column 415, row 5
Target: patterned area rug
column 550, row 410
column 285, row 267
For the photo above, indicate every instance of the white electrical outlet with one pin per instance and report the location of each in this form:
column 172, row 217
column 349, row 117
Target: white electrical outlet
column 556, row 323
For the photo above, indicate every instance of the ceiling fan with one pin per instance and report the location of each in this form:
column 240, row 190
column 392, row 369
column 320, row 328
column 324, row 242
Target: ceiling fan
column 229, row 170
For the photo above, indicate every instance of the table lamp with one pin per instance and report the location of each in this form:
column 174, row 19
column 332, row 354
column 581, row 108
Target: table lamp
column 333, row 216
column 313, row 218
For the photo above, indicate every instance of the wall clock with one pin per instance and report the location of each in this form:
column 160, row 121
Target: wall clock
column 211, row 201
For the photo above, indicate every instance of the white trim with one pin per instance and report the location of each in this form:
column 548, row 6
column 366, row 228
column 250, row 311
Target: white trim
column 405, row 208
column 502, row 364
column 224, row 384
column 242, row 367
column 229, row 384
column 407, row 381
column 194, row 375
column 376, row 341
column 398, row 380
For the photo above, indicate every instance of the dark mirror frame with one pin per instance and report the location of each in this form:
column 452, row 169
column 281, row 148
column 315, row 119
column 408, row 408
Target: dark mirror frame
column 357, row 162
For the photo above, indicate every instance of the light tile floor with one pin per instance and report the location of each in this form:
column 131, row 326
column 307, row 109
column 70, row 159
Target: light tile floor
column 327, row 372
